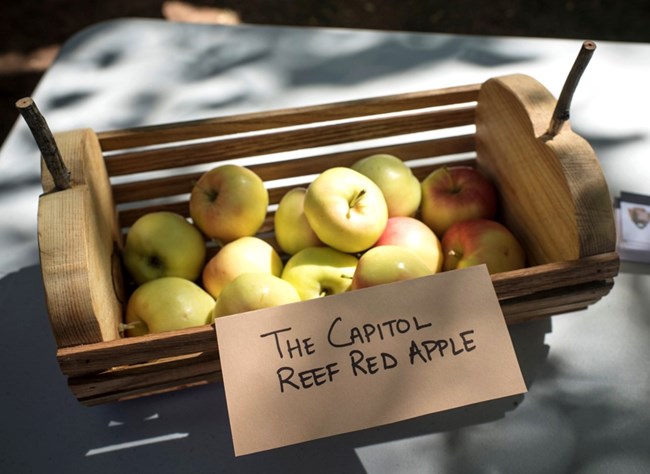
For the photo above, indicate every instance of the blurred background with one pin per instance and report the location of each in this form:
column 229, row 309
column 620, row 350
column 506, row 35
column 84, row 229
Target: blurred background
column 31, row 32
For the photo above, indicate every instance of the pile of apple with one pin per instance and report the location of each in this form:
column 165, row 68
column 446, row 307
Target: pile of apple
column 351, row 228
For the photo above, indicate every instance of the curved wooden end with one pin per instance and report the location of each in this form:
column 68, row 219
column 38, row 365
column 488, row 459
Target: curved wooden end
column 553, row 193
column 79, row 244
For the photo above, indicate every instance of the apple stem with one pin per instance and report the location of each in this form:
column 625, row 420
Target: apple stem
column 45, row 142
column 562, row 108
column 453, row 185
column 355, row 201
column 122, row 327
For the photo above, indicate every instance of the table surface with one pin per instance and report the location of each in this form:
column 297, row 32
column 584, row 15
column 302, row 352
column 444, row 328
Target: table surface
column 589, row 383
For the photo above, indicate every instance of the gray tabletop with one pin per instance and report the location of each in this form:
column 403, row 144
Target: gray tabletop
column 589, row 383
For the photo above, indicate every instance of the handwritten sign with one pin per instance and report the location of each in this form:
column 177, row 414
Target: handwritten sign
column 365, row 358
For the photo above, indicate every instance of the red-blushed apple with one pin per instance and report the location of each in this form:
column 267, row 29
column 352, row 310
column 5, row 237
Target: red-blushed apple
column 400, row 187
column 167, row 304
column 319, row 271
column 246, row 254
column 346, row 209
column 388, row 264
column 229, row 202
column 251, row 291
column 292, row 230
column 456, row 193
column 479, row 241
column 413, row 234
column 161, row 244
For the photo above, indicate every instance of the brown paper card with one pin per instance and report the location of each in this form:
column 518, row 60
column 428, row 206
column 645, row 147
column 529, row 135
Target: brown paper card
column 365, row 358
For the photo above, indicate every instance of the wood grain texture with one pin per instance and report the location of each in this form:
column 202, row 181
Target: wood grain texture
column 243, row 123
column 96, row 358
column 532, row 280
column 284, row 140
column 78, row 240
column 162, row 373
column 553, row 194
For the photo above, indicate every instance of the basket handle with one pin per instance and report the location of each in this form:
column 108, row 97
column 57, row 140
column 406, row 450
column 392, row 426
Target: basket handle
column 562, row 108
column 45, row 142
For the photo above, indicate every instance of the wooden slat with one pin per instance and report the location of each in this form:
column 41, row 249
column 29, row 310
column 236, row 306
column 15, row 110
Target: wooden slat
column 191, row 130
column 552, row 302
column 131, row 379
column 182, row 183
column 94, row 358
column 127, row 393
column 128, row 216
column 287, row 140
column 555, row 275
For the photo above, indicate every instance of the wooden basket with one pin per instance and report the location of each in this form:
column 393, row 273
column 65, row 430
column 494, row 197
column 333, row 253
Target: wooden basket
column 552, row 193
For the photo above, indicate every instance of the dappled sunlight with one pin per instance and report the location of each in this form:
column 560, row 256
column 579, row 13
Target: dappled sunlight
column 586, row 409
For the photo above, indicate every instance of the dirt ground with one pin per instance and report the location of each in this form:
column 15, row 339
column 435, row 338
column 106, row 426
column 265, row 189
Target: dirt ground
column 31, row 32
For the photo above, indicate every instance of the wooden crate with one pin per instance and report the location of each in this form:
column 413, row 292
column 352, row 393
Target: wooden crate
column 552, row 193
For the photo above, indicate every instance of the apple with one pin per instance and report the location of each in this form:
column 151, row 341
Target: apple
column 229, row 202
column 479, row 241
column 388, row 264
column 167, row 304
column 456, row 193
column 413, row 234
column 246, row 254
column 319, row 271
column 346, row 209
column 292, row 230
column 161, row 244
column 250, row 291
column 400, row 187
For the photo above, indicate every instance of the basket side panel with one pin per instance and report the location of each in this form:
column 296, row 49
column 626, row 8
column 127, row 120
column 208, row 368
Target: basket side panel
column 79, row 244
column 537, row 200
column 593, row 203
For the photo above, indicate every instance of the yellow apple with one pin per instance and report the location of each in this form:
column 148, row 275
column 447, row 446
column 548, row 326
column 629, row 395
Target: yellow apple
column 346, row 209
column 167, row 304
column 229, row 202
column 388, row 264
column 292, row 230
column 400, row 187
column 319, row 271
column 246, row 254
column 251, row 291
column 162, row 244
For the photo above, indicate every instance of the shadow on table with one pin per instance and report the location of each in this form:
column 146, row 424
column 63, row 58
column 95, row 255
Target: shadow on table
column 43, row 423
